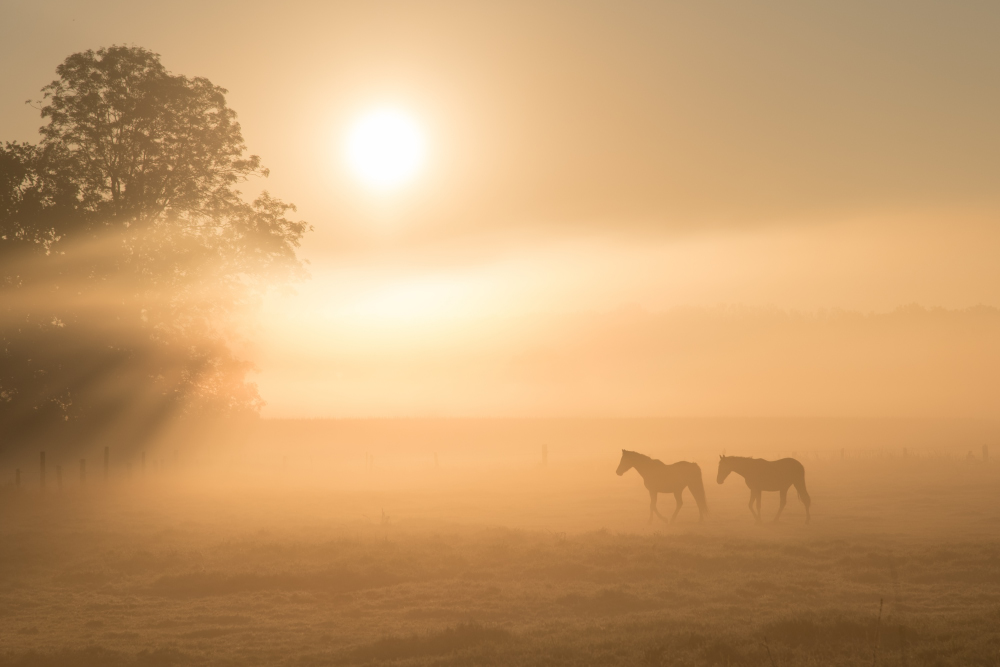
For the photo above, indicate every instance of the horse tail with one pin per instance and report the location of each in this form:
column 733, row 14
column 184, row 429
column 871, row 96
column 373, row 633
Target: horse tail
column 800, row 489
column 698, row 490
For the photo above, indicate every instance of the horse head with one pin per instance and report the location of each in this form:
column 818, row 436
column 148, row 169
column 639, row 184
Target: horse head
column 725, row 467
column 625, row 464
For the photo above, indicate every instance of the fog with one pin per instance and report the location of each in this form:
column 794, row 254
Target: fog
column 474, row 540
column 873, row 317
column 326, row 327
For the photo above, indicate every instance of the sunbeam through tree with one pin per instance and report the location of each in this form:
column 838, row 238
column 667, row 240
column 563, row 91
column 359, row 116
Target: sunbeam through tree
column 130, row 255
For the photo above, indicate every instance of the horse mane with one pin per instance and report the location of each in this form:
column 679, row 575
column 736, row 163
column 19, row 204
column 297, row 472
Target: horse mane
column 641, row 456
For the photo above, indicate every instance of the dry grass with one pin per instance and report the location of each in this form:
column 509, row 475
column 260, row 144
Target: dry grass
column 504, row 565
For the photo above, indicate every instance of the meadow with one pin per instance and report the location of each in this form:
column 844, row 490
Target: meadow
column 480, row 554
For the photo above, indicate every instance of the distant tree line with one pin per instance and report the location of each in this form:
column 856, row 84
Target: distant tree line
column 128, row 254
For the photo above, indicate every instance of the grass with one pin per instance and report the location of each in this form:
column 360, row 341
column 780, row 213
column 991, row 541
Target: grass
column 503, row 570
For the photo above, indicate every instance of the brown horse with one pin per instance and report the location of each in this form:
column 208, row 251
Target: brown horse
column 662, row 478
column 761, row 475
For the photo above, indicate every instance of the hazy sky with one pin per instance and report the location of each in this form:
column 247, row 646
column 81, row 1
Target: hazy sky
column 585, row 156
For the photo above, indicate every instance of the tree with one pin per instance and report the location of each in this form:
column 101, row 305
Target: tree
column 129, row 253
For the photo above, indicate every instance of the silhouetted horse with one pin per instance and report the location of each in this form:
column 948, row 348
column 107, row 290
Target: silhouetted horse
column 761, row 475
column 662, row 478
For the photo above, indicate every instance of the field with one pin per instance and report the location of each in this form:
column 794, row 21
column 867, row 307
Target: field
column 339, row 547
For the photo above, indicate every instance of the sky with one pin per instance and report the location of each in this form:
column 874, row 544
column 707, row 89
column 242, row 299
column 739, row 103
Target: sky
column 591, row 160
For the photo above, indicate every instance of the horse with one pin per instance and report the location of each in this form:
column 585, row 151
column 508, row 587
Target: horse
column 761, row 475
column 662, row 478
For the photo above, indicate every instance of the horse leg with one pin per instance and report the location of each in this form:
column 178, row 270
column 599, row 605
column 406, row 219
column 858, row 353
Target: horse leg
column 753, row 496
column 652, row 507
column 759, row 494
column 781, row 507
column 680, row 504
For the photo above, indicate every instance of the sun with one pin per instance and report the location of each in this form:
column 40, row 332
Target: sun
column 385, row 149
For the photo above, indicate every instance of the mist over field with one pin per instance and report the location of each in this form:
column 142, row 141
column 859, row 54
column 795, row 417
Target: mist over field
column 631, row 362
column 507, row 542
column 437, row 333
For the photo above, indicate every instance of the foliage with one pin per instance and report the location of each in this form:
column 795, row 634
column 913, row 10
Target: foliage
column 129, row 254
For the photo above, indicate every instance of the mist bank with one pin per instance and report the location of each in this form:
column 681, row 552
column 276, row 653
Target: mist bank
column 723, row 361
column 344, row 453
column 535, row 442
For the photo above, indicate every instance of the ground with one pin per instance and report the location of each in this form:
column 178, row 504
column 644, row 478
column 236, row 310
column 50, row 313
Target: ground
column 502, row 563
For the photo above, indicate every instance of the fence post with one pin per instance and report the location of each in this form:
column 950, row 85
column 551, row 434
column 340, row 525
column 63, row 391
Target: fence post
column 41, row 469
column 106, row 456
column 83, row 471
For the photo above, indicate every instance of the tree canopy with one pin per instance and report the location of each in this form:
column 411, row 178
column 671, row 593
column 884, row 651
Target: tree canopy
column 129, row 254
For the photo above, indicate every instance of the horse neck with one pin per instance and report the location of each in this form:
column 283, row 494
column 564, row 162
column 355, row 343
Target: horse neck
column 740, row 465
column 642, row 464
